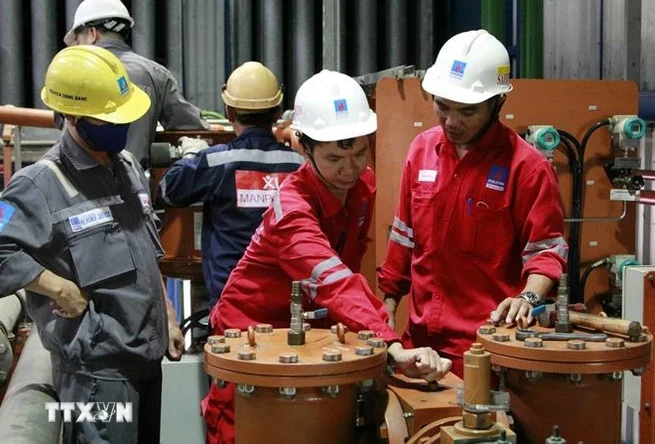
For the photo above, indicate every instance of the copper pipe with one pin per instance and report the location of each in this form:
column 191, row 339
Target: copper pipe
column 27, row 116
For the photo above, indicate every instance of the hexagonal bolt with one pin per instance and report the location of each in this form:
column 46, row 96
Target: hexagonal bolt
column 247, row 355
column 533, row 376
column 363, row 350
column 615, row 343
column 220, row 349
column 375, row 342
column 575, row 378
column 331, row 355
column 232, row 333
column 287, row 392
column 333, row 329
column 3, row 348
column 331, row 390
column 215, row 339
column 365, row 334
column 288, row 358
column 501, row 337
column 576, row 344
column 616, row 376
column 638, row 371
column 366, row 385
column 306, row 326
column 221, row 383
column 245, row 389
column 487, row 330
column 3, row 375
column 264, row 328
column 533, row 342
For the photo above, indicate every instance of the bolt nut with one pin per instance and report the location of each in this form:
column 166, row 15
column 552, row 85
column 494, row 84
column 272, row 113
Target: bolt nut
column 3, row 375
column 365, row 334
column 616, row 376
column 232, row 333
column 264, row 328
column 287, row 392
column 215, row 340
column 306, row 326
column 487, row 330
column 331, row 355
column 533, row 342
column 221, row 383
column 245, row 389
column 375, row 342
column 533, row 376
column 288, row 358
column 575, row 378
column 615, row 343
column 333, row 329
column 220, row 349
column 501, row 337
column 247, row 355
column 331, row 390
column 576, row 344
column 363, row 350
column 3, row 349
column 638, row 371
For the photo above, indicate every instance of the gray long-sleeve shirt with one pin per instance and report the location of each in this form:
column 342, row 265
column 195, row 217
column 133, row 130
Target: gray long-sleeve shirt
column 168, row 105
column 96, row 227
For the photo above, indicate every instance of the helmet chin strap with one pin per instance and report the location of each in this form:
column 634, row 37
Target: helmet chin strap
column 311, row 159
column 498, row 102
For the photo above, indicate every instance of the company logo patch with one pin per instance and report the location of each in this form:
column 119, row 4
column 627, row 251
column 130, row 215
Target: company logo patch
column 256, row 189
column 503, row 75
column 90, row 219
column 497, row 177
column 341, row 107
column 457, row 70
column 6, row 211
column 122, row 85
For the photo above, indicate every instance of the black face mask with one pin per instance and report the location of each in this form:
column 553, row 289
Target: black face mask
column 110, row 138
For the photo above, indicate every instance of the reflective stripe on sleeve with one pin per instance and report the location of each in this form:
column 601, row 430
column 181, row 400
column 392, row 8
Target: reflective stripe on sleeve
column 556, row 245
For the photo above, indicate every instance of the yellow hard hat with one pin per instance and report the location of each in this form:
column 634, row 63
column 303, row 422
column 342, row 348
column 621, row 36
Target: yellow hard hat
column 92, row 82
column 252, row 87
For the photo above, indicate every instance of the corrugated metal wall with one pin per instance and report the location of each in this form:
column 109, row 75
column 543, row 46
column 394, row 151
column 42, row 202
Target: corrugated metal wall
column 201, row 41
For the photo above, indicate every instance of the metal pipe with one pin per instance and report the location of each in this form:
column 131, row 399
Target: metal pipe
column 334, row 42
column 424, row 36
column 43, row 31
column 23, row 417
column 531, row 45
column 271, row 22
column 303, row 42
column 492, row 18
column 366, row 48
column 174, row 39
column 241, row 32
column 11, row 51
column 646, row 197
column 396, row 38
column 190, row 47
column 71, row 7
column 10, row 311
column 606, row 219
column 143, row 33
column 14, row 115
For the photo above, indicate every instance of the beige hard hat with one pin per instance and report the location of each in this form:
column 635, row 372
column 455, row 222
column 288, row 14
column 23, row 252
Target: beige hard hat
column 252, row 87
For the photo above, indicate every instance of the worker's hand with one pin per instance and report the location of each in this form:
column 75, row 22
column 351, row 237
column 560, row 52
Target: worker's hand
column 419, row 362
column 175, row 339
column 390, row 305
column 192, row 146
column 68, row 300
column 516, row 308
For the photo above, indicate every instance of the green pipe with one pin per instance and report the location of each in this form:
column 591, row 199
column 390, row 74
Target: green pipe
column 531, row 44
column 492, row 18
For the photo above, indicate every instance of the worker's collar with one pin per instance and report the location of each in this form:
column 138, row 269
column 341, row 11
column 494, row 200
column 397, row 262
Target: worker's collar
column 78, row 156
column 330, row 204
column 250, row 131
column 491, row 140
column 116, row 44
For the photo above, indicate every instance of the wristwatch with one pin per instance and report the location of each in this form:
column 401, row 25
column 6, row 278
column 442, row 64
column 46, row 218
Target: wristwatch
column 530, row 296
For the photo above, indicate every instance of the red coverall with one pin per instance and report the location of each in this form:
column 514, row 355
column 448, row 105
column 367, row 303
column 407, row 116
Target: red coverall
column 468, row 232
column 306, row 235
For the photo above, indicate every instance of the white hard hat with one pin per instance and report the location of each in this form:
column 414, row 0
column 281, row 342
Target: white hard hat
column 91, row 11
column 332, row 106
column 471, row 67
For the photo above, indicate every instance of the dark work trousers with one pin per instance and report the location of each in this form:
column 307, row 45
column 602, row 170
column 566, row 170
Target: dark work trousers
column 144, row 394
